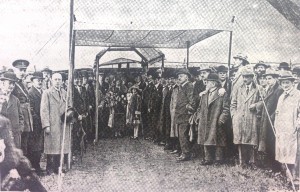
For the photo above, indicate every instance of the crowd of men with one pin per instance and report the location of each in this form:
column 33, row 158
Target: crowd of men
column 253, row 114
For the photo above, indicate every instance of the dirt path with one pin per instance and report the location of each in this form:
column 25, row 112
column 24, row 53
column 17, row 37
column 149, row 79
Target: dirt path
column 129, row 165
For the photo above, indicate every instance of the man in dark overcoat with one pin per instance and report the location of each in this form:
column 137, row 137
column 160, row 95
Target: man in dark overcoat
column 184, row 108
column 21, row 92
column 213, row 113
column 36, row 141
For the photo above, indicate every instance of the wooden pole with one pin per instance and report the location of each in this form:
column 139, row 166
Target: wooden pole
column 187, row 54
column 229, row 52
column 97, row 100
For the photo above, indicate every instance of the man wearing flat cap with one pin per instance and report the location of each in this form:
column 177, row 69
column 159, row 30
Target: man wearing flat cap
column 11, row 107
column 243, row 112
column 21, row 92
column 36, row 141
column 184, row 108
column 287, row 125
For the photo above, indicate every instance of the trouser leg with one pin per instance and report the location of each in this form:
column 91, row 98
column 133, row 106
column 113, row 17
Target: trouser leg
column 136, row 131
column 184, row 138
column 208, row 153
column 219, row 154
column 24, row 142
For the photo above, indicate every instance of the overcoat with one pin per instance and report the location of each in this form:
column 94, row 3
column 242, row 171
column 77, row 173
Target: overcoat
column 36, row 138
column 14, row 113
column 244, row 121
column 21, row 92
column 164, row 118
column 287, row 114
column 185, row 105
column 212, row 109
column 266, row 139
column 174, row 128
column 53, row 107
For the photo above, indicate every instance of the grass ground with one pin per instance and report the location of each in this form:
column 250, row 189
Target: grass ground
column 130, row 165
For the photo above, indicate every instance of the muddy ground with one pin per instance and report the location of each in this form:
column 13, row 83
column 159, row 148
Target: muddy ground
column 130, row 165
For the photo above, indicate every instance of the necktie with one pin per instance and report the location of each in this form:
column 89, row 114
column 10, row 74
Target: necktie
column 247, row 90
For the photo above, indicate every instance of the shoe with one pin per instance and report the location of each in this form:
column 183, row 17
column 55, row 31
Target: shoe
column 174, row 152
column 206, row 162
column 184, row 157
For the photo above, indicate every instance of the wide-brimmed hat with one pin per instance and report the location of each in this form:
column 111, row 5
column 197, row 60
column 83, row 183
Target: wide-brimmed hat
column 20, row 63
column 260, row 63
column 213, row 77
column 242, row 57
column 183, row 71
column 37, row 75
column 46, row 69
column 134, row 87
column 271, row 72
column 247, row 72
column 286, row 75
column 205, row 69
column 9, row 76
column 221, row 68
column 284, row 65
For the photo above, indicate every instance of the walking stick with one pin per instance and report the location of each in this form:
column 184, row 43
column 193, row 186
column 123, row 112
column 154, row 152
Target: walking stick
column 273, row 128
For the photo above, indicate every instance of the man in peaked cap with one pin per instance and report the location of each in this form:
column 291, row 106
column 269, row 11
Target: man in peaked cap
column 21, row 92
column 36, row 141
column 11, row 108
column 243, row 112
column 47, row 72
column 185, row 107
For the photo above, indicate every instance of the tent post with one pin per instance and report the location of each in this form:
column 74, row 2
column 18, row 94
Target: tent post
column 163, row 62
column 97, row 100
column 229, row 51
column 187, row 54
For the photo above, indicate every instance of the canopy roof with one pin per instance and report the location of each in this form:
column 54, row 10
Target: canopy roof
column 143, row 38
column 120, row 61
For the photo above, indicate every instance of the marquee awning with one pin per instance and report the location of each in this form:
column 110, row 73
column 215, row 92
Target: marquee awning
column 143, row 38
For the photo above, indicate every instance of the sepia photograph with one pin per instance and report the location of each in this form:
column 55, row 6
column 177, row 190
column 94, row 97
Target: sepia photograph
column 139, row 95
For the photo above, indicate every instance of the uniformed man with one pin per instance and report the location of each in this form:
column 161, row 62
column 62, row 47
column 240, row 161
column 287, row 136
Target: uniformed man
column 21, row 92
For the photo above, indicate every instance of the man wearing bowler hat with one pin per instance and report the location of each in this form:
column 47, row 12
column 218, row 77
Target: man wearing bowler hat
column 11, row 107
column 284, row 66
column 21, row 92
column 36, row 141
column 184, row 108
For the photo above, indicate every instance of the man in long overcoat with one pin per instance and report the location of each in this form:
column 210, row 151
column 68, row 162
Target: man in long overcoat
column 243, row 112
column 287, row 124
column 174, row 128
column 213, row 112
column 11, row 108
column 21, row 92
column 266, row 141
column 36, row 141
column 53, row 106
column 185, row 107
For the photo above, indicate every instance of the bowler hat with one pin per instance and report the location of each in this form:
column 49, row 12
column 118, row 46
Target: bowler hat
column 247, row 72
column 9, row 76
column 213, row 77
column 286, row 75
column 260, row 63
column 241, row 57
column 271, row 72
column 20, row 63
column 46, row 69
column 296, row 70
column 183, row 71
column 222, row 68
column 284, row 65
column 37, row 75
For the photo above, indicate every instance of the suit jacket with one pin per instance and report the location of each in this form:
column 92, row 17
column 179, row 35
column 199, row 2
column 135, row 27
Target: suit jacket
column 13, row 112
column 80, row 100
column 185, row 105
column 36, row 138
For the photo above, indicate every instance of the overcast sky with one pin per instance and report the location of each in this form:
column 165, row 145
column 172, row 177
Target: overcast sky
column 39, row 30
